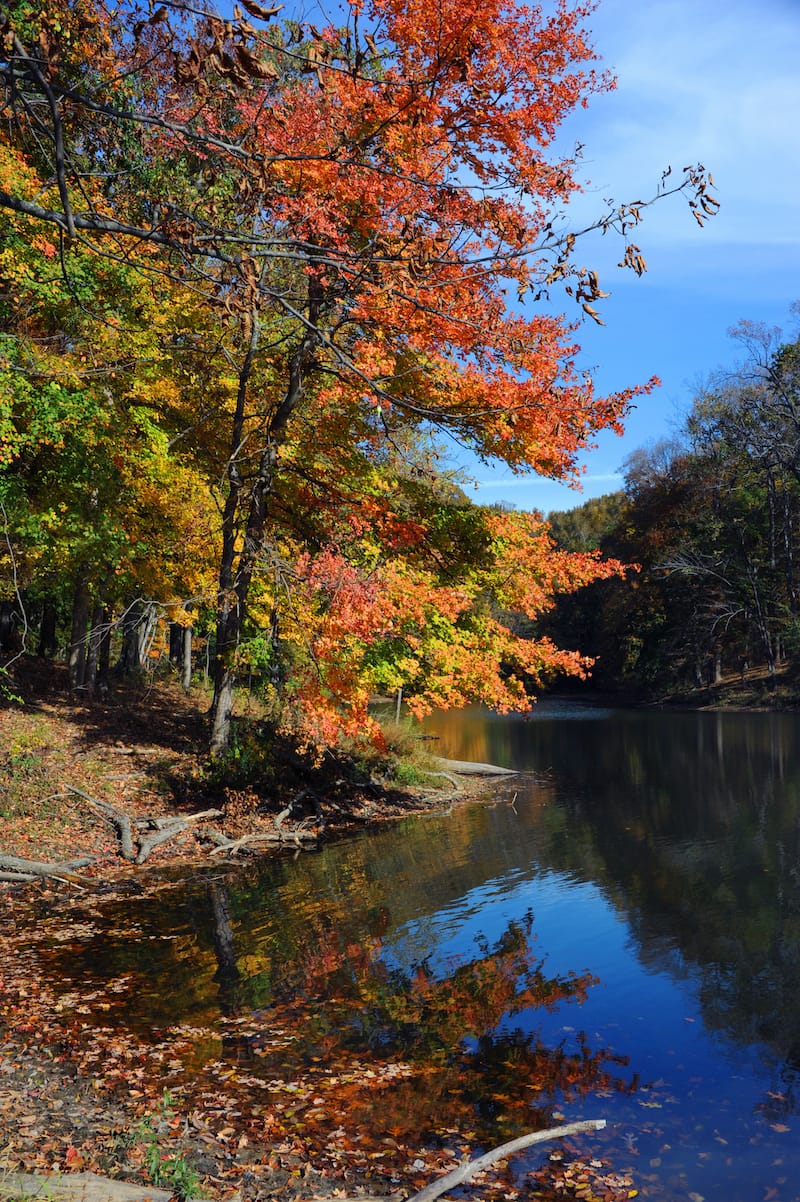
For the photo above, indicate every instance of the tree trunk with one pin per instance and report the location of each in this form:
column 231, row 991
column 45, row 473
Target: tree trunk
column 176, row 644
column 236, row 570
column 234, row 602
column 77, row 648
column 180, row 652
column 186, row 660
column 138, row 628
column 222, row 706
column 146, row 632
column 8, row 623
column 93, row 650
column 104, row 662
column 48, row 642
column 128, row 662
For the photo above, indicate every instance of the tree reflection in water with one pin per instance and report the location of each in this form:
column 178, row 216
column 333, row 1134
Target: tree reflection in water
column 463, row 1066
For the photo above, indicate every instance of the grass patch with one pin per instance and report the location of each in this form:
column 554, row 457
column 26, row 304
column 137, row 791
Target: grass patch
column 146, row 1144
column 406, row 761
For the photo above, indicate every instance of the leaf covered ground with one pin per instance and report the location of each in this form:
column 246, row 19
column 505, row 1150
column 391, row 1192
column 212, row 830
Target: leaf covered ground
column 82, row 1090
column 142, row 752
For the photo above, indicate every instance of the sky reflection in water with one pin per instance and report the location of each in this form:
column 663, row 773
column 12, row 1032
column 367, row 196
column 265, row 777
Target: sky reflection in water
column 660, row 852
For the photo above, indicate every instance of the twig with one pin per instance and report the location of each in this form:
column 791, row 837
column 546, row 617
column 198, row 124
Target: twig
column 469, row 1168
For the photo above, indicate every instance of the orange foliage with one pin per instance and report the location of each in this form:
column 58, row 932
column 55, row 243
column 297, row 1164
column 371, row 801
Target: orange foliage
column 364, row 215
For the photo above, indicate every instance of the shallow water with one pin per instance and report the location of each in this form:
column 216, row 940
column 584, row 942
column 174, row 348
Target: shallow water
column 659, row 852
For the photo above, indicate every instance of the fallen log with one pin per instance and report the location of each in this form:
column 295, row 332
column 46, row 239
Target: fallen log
column 16, row 868
column 119, row 820
column 248, row 842
column 164, row 828
column 78, row 1187
column 162, row 834
column 187, row 819
column 472, row 768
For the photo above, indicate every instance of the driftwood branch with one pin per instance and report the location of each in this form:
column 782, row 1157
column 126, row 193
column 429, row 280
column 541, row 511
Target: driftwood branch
column 227, row 846
column 288, row 811
column 163, row 829
column 472, row 768
column 15, row 868
column 469, row 1168
column 149, row 843
column 187, row 819
column 120, row 821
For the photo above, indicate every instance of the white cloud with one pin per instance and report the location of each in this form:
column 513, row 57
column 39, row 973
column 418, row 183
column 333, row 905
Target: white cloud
column 699, row 81
column 714, row 81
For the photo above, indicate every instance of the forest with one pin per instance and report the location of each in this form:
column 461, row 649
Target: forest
column 711, row 518
column 257, row 279
column 262, row 280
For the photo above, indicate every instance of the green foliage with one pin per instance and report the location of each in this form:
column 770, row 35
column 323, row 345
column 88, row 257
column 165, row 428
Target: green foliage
column 403, row 760
column 7, row 693
column 247, row 761
column 24, row 779
column 163, row 1168
column 586, row 527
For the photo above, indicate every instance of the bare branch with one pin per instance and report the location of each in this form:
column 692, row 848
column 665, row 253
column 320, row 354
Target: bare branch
column 468, row 1169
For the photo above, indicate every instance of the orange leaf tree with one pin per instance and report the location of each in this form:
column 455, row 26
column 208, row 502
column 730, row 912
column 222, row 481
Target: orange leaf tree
column 356, row 203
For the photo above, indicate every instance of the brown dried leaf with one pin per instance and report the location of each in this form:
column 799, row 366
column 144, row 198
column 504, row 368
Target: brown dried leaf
column 257, row 10
column 255, row 67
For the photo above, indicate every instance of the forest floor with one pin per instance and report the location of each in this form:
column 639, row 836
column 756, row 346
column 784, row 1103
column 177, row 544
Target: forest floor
column 750, row 689
column 142, row 754
column 78, row 1093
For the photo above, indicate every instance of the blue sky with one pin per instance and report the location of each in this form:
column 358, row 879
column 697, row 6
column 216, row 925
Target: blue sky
column 698, row 81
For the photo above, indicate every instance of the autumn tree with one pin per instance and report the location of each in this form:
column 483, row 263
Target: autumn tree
column 356, row 204
column 98, row 506
column 712, row 518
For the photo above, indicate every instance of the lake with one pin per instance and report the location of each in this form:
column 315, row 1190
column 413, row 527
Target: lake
column 614, row 934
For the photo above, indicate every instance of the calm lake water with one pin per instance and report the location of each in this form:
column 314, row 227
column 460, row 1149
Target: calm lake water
column 659, row 852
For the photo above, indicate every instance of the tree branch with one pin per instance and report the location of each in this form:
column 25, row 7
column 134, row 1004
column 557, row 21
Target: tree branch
column 469, row 1168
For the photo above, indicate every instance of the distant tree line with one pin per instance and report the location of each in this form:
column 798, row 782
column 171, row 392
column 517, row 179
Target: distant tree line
column 712, row 519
